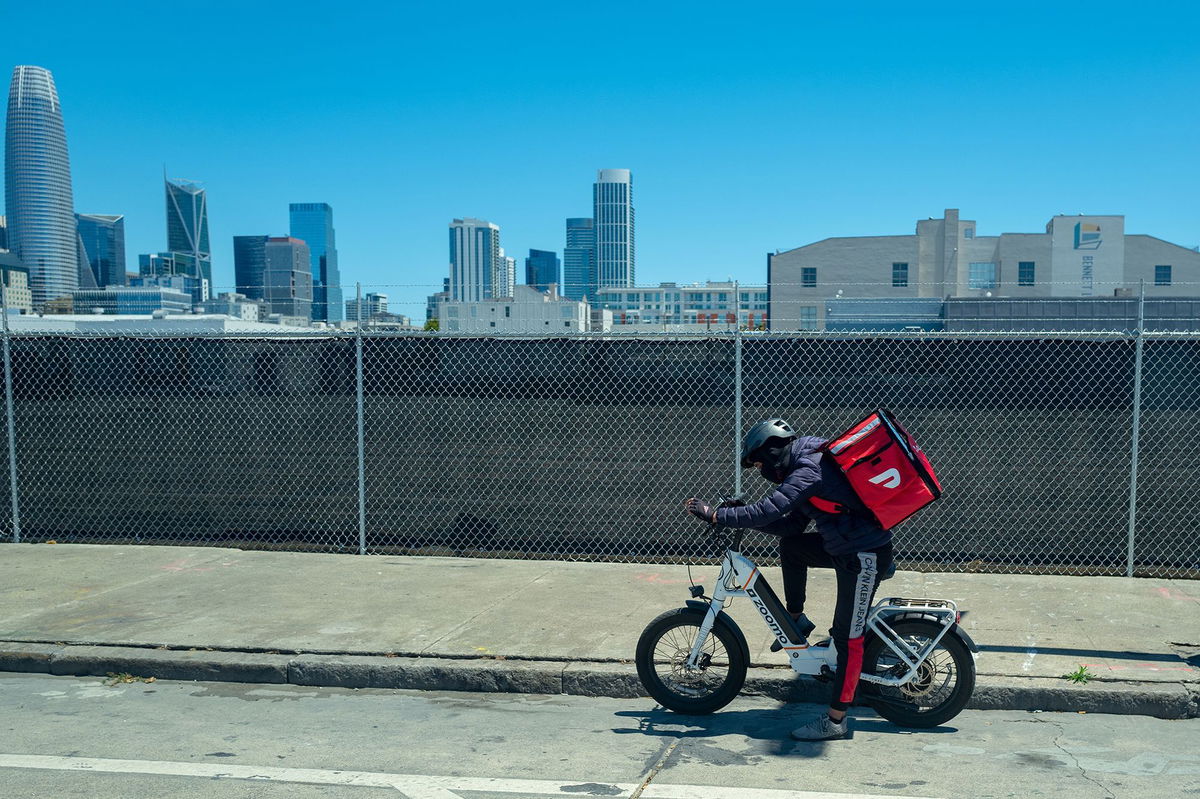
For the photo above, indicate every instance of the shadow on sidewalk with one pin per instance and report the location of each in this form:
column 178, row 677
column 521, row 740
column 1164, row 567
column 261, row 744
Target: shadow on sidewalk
column 1145, row 657
column 772, row 726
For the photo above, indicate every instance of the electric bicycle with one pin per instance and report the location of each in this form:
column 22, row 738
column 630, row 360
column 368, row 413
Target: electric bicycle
column 918, row 665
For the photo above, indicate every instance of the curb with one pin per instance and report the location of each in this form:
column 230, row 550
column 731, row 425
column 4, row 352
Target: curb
column 577, row 678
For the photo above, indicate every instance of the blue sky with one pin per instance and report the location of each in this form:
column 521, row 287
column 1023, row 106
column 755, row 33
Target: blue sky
column 748, row 127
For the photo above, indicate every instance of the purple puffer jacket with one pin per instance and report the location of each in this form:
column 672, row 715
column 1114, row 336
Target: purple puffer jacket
column 787, row 510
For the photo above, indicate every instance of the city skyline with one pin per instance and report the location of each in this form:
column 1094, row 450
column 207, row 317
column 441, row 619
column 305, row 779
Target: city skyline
column 850, row 133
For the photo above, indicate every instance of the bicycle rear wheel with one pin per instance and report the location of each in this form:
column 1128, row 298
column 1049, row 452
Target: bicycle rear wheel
column 941, row 687
column 662, row 654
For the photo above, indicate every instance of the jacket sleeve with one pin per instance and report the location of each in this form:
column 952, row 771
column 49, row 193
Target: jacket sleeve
column 802, row 483
column 796, row 524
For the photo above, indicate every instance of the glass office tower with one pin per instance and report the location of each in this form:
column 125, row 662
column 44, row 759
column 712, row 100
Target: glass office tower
column 541, row 269
column 103, row 237
column 250, row 266
column 312, row 223
column 187, row 228
column 579, row 259
column 37, row 185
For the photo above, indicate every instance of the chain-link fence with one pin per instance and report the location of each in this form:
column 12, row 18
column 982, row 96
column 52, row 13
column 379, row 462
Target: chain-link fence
column 1066, row 453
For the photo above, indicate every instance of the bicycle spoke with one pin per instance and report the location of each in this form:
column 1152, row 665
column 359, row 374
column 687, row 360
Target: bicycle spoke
column 672, row 650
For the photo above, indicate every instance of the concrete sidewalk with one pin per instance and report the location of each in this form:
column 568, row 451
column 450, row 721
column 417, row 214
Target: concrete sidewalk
column 192, row 613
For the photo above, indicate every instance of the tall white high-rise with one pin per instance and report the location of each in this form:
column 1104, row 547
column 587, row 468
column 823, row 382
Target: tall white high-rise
column 612, row 201
column 475, row 260
column 505, row 280
column 37, row 185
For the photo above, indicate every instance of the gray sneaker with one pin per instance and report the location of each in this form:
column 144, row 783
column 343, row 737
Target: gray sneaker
column 822, row 728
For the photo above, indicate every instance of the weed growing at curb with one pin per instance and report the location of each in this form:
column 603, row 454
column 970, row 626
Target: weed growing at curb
column 1081, row 675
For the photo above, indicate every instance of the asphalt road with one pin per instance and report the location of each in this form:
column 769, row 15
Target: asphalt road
column 80, row 737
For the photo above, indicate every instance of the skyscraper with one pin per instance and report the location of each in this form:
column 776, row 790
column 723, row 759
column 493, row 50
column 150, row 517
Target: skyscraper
column 187, row 228
column 37, row 185
column 103, row 237
column 289, row 285
column 474, row 260
column 313, row 224
column 579, row 259
column 541, row 269
column 504, row 280
column 612, row 201
column 250, row 266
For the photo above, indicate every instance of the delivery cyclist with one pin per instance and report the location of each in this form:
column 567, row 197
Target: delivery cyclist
column 849, row 540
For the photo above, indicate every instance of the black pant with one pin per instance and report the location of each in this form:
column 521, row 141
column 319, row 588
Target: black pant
column 858, row 575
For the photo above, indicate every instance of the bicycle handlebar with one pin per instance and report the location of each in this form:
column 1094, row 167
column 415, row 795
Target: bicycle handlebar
column 735, row 541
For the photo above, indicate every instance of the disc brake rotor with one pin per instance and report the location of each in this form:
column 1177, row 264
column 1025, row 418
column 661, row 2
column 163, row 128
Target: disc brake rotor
column 684, row 675
column 921, row 685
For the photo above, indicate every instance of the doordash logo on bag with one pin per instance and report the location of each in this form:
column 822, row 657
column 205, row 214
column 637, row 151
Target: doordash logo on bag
column 888, row 479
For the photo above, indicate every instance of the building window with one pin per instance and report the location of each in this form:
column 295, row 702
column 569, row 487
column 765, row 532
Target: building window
column 493, row 324
column 982, row 275
column 899, row 276
column 808, row 318
column 808, row 277
column 508, row 310
column 1025, row 273
column 1162, row 275
column 969, row 233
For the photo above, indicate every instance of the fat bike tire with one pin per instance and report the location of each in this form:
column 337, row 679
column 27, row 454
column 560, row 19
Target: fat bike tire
column 941, row 688
column 663, row 650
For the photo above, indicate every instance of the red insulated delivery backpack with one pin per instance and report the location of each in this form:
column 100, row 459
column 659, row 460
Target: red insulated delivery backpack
column 885, row 467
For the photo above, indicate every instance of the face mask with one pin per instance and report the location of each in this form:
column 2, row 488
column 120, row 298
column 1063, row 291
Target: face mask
column 772, row 465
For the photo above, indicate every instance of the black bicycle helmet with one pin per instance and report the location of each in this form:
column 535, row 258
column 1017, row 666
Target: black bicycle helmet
column 762, row 434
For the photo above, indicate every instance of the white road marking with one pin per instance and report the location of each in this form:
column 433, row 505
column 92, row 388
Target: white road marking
column 415, row 786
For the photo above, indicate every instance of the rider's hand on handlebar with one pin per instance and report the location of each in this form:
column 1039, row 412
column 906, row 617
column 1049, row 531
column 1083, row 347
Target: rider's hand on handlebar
column 700, row 509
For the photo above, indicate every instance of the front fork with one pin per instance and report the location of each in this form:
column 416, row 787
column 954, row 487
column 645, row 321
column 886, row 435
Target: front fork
column 715, row 605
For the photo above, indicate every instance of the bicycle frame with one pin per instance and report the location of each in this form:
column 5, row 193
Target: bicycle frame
column 740, row 577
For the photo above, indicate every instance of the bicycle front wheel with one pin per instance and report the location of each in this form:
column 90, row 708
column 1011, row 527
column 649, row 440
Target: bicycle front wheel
column 662, row 654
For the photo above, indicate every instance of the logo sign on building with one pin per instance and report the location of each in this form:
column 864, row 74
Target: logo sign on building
column 1087, row 236
column 1087, row 255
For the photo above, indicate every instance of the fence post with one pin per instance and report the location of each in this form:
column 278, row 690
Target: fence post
column 737, row 391
column 8, row 405
column 358, row 394
column 1138, row 345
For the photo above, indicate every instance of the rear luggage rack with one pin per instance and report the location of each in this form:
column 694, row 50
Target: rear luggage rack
column 924, row 603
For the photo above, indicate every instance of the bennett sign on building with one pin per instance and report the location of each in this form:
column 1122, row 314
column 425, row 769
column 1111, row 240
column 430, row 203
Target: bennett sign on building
column 1087, row 255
